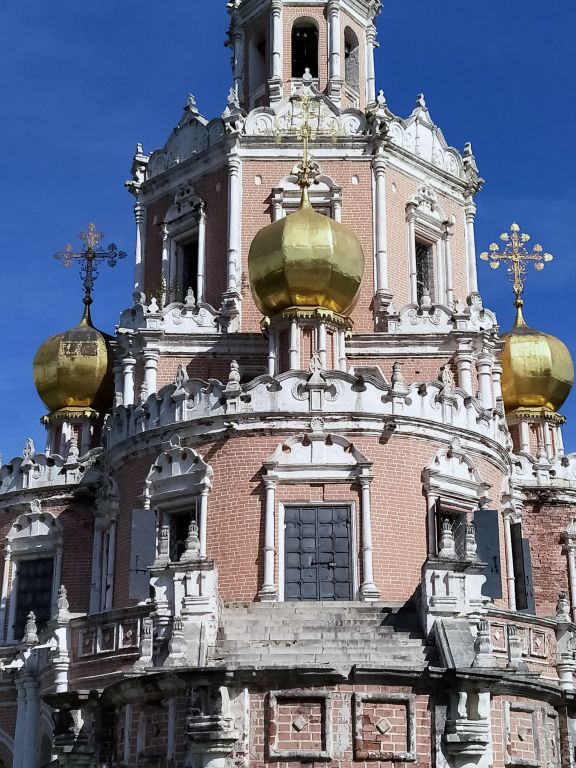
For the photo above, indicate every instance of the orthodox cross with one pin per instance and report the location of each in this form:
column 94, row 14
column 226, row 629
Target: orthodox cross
column 89, row 257
column 516, row 256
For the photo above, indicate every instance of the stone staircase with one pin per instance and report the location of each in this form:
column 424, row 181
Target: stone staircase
column 320, row 634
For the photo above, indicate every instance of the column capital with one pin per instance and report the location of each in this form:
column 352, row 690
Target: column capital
column 234, row 165
column 380, row 164
column 164, row 232
column 139, row 212
column 276, row 6
column 333, row 7
column 270, row 481
column 128, row 361
column 365, row 480
column 151, row 355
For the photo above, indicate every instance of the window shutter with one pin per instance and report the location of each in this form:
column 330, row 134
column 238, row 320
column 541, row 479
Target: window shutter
column 142, row 553
column 488, row 542
column 522, row 570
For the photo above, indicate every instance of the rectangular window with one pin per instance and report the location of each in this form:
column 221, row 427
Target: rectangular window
column 179, row 525
column 189, row 268
column 522, row 570
column 424, row 270
column 33, row 593
column 488, row 543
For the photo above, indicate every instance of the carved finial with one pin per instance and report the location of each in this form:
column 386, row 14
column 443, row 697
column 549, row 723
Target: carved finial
column 191, row 105
column 516, row 256
column 234, row 375
column 307, row 78
column 63, row 615
column 181, row 376
column 175, row 441
column 447, row 543
column 420, row 101
column 139, row 149
column 397, row 375
column 30, row 630
column 29, row 451
column 447, row 379
column 72, row 452
column 192, row 551
column 563, row 608
column 483, row 646
column 470, row 542
column 381, row 99
column 190, row 299
column 425, row 302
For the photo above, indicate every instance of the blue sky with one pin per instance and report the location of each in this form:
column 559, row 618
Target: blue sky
column 83, row 82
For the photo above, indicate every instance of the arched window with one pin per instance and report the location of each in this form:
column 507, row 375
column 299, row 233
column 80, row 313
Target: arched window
column 351, row 60
column 304, row 48
column 257, row 67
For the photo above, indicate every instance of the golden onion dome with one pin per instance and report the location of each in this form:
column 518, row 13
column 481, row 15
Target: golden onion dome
column 537, row 369
column 74, row 369
column 305, row 260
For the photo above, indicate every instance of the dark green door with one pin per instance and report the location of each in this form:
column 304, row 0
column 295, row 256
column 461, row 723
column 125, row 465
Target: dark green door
column 318, row 553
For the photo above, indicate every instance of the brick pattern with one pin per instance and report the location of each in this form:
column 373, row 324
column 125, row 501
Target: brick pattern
column 299, row 726
column 384, row 730
column 524, row 732
column 543, row 526
column 291, row 15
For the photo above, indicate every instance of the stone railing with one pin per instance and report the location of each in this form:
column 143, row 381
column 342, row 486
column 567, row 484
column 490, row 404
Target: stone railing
column 116, row 632
column 298, row 393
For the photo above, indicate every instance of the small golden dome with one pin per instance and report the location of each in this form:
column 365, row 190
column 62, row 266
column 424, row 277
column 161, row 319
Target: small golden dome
column 305, row 260
column 74, row 369
column 537, row 369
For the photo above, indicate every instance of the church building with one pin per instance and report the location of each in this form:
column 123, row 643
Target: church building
column 309, row 505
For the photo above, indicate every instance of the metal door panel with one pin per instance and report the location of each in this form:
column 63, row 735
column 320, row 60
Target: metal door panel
column 318, row 550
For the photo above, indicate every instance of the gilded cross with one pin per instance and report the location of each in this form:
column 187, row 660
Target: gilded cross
column 88, row 257
column 516, row 256
column 305, row 133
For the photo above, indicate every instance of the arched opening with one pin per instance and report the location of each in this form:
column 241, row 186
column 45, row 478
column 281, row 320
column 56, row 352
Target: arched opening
column 304, row 48
column 257, row 66
column 351, row 60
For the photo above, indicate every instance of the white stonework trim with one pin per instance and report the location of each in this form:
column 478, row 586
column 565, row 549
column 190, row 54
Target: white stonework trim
column 510, row 577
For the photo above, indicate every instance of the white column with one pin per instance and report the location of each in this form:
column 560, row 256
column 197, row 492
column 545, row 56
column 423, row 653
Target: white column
column 431, row 515
column 342, row 351
column 322, row 343
column 165, row 264
column 337, row 205
column 85, row 437
column 203, row 523
column 140, row 216
column 128, row 364
column 5, row 584
column 20, row 731
column 141, row 733
column 497, row 380
column 524, row 437
column 381, row 233
column 277, row 41
column 464, row 365
column 271, row 353
column 110, row 566
column 294, row 355
column 470, row 215
column 239, row 63
column 32, row 721
column 510, row 578
column 96, row 582
column 334, row 51
column 64, row 437
column 548, row 440
column 12, row 605
column 448, row 264
column 269, row 591
column 151, row 357
column 370, row 69
column 559, row 443
column 484, row 368
column 201, row 254
column 277, row 209
column 572, row 578
column 234, row 223
column 410, row 219
column 118, row 385
column 368, row 589
column 104, row 568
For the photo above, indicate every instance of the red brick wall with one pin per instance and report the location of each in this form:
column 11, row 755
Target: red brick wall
column 543, row 526
column 155, row 214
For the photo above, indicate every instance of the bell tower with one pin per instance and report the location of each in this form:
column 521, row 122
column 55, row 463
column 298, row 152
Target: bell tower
column 276, row 42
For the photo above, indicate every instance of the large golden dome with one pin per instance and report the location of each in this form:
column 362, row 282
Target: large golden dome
column 305, row 260
column 538, row 372
column 74, row 370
